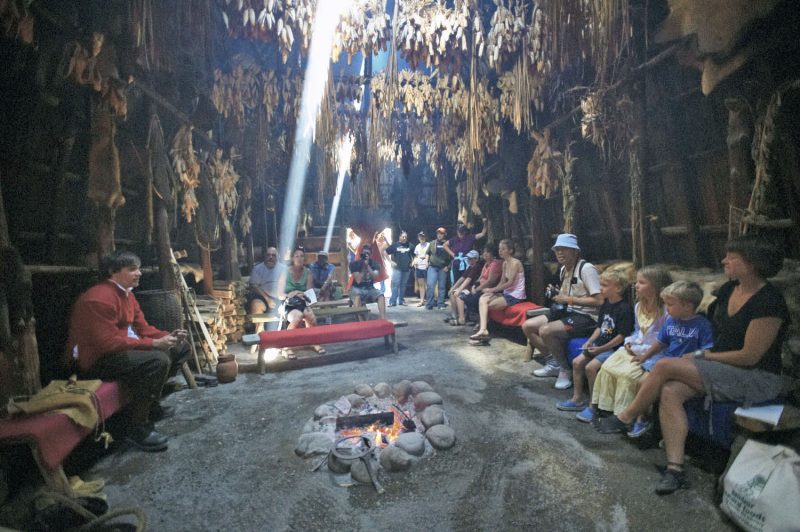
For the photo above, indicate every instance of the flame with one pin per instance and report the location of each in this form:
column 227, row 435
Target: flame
column 381, row 435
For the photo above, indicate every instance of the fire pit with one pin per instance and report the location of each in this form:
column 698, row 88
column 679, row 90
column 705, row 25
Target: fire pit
column 377, row 428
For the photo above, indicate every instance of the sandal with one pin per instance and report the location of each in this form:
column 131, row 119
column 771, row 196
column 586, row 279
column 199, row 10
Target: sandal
column 288, row 354
column 456, row 323
column 319, row 349
column 480, row 336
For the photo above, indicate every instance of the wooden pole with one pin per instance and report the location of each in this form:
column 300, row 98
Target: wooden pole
column 208, row 271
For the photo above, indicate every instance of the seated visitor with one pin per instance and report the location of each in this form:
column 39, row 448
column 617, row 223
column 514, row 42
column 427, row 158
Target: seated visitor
column 296, row 306
column 619, row 377
column 464, row 284
column 400, row 255
column 267, row 280
column 573, row 314
column 509, row 291
column 325, row 284
column 467, row 304
column 364, row 272
column 616, row 322
column 750, row 319
column 110, row 339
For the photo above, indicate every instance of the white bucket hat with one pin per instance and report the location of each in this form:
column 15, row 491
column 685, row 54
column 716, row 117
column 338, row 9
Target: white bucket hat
column 472, row 254
column 566, row 240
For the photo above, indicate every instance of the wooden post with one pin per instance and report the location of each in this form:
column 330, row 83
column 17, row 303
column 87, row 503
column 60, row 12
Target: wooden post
column 105, row 231
column 57, row 209
column 160, row 174
column 740, row 160
column 568, row 196
column 636, row 154
column 538, row 243
column 208, row 272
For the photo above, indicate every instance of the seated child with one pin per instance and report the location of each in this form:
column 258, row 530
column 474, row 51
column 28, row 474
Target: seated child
column 684, row 331
column 614, row 324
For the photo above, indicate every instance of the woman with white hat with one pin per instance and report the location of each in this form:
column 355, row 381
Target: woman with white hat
column 573, row 315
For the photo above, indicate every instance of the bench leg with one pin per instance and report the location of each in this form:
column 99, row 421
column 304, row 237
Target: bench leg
column 258, row 329
column 188, row 375
column 262, row 364
column 394, row 343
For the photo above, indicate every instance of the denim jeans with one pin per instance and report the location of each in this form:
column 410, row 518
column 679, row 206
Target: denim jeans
column 399, row 283
column 435, row 275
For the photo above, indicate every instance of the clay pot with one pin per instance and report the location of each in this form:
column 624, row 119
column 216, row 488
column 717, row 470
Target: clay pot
column 227, row 368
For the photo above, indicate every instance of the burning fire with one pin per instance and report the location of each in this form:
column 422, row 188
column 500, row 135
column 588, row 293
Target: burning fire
column 381, row 435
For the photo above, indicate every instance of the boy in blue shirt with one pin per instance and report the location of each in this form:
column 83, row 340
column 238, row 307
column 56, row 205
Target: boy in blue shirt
column 684, row 331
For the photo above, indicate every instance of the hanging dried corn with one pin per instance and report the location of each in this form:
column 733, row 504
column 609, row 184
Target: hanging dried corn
column 507, row 28
column 187, row 168
column 429, row 33
column 225, row 178
column 364, row 27
column 544, row 168
column 271, row 21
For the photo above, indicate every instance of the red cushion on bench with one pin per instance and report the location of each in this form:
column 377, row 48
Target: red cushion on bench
column 326, row 334
column 56, row 435
column 513, row 316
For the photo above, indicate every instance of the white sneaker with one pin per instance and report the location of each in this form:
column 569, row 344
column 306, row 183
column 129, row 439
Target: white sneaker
column 564, row 381
column 549, row 370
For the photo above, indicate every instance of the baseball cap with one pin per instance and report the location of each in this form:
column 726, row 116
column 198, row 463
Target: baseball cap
column 322, row 253
column 473, row 254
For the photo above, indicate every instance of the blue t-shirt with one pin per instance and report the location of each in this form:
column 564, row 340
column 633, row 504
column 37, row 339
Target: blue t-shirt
column 681, row 337
column 321, row 274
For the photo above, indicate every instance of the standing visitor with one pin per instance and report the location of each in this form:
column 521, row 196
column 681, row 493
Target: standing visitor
column 438, row 266
column 420, row 265
column 401, row 257
column 458, row 247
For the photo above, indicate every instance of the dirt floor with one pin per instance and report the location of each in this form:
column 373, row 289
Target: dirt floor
column 518, row 463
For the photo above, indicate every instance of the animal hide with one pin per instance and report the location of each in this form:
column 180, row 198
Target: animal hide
column 82, row 66
column 105, row 187
column 718, row 24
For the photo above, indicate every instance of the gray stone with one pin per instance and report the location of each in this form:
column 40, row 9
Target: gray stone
column 359, row 472
column 402, row 390
column 382, row 390
column 426, row 399
column 310, row 426
column 313, row 443
column 364, row 390
column 324, row 411
column 433, row 415
column 441, row 436
column 420, row 386
column 411, row 442
column 394, row 459
column 356, row 401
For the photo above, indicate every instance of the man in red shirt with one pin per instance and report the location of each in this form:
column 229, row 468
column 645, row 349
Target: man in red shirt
column 110, row 339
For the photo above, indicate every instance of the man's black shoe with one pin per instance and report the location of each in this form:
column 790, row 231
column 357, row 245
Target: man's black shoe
column 147, row 440
column 159, row 412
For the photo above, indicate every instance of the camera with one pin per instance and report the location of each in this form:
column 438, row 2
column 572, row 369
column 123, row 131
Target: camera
column 550, row 292
column 365, row 255
column 557, row 310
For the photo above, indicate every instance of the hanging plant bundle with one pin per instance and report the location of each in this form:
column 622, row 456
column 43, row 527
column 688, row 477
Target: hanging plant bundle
column 507, row 28
column 433, row 35
column 225, row 179
column 545, row 167
column 187, row 168
column 365, row 27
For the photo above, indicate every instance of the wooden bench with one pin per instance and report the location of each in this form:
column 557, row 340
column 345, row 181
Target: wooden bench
column 52, row 436
column 322, row 334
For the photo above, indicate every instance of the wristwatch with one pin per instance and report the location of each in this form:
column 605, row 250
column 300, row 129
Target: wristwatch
column 699, row 353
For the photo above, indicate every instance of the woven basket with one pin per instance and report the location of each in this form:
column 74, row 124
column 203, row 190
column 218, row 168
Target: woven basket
column 161, row 308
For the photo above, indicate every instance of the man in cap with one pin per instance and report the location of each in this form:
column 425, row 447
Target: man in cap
column 267, row 282
column 322, row 272
column 438, row 266
column 464, row 283
column 579, row 296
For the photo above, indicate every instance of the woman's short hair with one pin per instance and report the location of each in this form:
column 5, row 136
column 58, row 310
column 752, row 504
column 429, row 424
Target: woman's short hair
column 116, row 261
column 688, row 291
column 491, row 247
column 762, row 253
column 618, row 277
column 509, row 244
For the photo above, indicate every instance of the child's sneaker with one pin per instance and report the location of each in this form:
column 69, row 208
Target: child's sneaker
column 671, row 480
column 640, row 428
column 571, row 406
column 586, row 415
column 564, row 380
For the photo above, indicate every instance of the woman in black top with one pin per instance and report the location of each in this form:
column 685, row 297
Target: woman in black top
column 750, row 319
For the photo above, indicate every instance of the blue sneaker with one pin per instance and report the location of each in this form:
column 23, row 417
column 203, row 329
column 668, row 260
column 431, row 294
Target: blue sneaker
column 586, row 415
column 640, row 428
column 571, row 406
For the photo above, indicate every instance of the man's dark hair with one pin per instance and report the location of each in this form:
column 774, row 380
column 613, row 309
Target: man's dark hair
column 763, row 253
column 111, row 264
column 491, row 247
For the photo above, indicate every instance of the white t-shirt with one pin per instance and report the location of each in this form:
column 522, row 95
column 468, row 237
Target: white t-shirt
column 421, row 253
column 583, row 285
